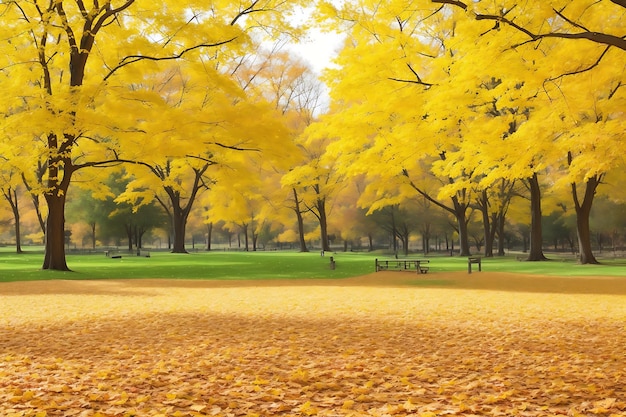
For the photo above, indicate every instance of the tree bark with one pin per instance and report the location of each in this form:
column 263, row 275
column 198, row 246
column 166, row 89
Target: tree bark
column 583, row 211
column 209, row 236
column 303, row 247
column 10, row 194
column 180, row 225
column 500, row 234
column 55, row 233
column 460, row 211
column 536, row 232
column 483, row 205
column 321, row 208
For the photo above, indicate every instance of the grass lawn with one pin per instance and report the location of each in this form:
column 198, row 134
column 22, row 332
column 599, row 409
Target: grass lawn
column 269, row 265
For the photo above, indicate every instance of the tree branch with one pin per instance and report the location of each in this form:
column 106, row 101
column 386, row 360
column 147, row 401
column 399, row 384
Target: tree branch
column 418, row 79
column 589, row 68
column 110, row 12
column 452, row 2
column 597, row 37
column 232, row 147
column 131, row 59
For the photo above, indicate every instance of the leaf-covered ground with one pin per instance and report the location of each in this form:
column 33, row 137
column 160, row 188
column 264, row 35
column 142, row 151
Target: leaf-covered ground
column 343, row 348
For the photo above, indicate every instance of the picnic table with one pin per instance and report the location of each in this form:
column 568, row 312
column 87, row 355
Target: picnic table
column 417, row 265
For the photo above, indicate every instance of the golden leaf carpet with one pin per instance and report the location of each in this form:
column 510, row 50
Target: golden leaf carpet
column 387, row 344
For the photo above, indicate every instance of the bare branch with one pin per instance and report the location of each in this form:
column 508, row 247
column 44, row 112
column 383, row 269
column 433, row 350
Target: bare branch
column 232, row 147
column 418, row 79
column 131, row 59
column 568, row 20
column 580, row 71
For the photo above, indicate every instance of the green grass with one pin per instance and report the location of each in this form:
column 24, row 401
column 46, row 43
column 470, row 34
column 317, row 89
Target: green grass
column 202, row 265
column 268, row 265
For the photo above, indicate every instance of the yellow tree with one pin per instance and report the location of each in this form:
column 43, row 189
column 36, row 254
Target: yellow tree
column 387, row 74
column 295, row 91
column 60, row 56
column 583, row 73
column 205, row 119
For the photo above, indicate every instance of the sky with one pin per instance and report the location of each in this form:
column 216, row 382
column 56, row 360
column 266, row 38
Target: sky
column 320, row 49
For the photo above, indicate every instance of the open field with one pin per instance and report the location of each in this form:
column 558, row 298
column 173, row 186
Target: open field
column 381, row 344
column 271, row 265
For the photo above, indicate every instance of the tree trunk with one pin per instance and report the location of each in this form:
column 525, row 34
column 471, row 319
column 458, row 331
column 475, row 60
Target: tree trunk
column 583, row 211
column 93, row 235
column 55, row 233
column 209, row 236
column 180, row 224
column 11, row 196
column 463, row 232
column 300, row 218
column 536, row 231
column 244, row 229
column 500, row 230
column 483, row 205
column 321, row 206
column 129, row 236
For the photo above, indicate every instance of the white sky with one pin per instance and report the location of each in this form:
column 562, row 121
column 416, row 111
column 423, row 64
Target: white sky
column 320, row 49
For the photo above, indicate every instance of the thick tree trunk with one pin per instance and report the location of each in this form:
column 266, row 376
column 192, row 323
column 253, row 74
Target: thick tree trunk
column 536, row 231
column 321, row 206
column 180, row 224
column 460, row 213
column 55, row 233
column 583, row 211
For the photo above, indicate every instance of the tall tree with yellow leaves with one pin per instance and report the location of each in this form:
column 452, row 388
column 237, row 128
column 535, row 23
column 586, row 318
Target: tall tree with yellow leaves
column 60, row 58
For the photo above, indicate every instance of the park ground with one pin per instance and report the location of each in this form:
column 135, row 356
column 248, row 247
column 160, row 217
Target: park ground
column 387, row 343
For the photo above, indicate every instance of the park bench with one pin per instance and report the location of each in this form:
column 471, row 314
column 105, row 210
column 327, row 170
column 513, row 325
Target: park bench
column 113, row 254
column 417, row 265
column 474, row 260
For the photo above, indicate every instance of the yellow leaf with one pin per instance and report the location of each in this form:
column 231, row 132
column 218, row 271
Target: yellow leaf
column 197, row 407
column 347, row 404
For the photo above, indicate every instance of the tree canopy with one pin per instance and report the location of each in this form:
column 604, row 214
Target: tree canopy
column 450, row 103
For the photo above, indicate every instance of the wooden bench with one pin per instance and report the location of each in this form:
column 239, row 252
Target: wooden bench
column 417, row 265
column 474, row 260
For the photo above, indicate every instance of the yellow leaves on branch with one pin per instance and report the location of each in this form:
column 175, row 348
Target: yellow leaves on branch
column 195, row 349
